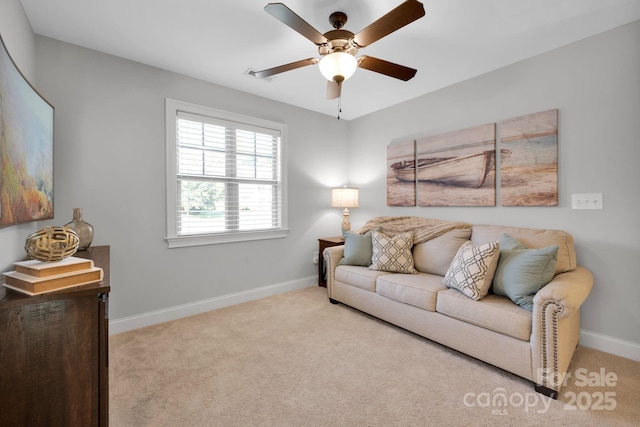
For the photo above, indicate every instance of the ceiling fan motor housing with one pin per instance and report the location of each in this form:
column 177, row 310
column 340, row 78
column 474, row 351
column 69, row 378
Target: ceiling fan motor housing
column 338, row 41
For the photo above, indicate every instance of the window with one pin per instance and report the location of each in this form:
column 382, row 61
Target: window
column 224, row 176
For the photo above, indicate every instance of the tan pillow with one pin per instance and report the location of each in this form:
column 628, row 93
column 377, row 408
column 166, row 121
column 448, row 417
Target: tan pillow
column 392, row 253
column 472, row 269
column 434, row 256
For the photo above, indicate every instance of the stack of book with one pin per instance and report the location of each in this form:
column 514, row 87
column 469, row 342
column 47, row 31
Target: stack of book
column 36, row 277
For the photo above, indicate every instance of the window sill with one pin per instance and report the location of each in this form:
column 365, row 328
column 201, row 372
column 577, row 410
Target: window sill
column 215, row 239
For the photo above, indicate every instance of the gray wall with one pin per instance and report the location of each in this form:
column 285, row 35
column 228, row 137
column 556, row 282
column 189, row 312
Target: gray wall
column 19, row 40
column 110, row 161
column 595, row 84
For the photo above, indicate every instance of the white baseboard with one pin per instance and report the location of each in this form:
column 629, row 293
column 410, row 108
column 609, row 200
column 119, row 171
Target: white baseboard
column 124, row 324
column 622, row 348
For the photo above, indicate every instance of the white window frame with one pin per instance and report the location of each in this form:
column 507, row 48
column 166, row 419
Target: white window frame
column 172, row 107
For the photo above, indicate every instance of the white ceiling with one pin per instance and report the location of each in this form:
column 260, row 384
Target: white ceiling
column 219, row 40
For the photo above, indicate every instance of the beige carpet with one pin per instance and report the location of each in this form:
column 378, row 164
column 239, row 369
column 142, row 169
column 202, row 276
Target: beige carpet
column 297, row 360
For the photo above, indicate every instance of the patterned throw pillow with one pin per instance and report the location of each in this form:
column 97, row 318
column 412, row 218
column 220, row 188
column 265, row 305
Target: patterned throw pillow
column 472, row 269
column 392, row 253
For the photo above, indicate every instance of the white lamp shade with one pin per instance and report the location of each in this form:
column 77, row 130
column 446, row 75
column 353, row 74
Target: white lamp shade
column 338, row 64
column 344, row 197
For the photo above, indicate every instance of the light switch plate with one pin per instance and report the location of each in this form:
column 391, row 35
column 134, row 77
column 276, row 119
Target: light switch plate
column 588, row 201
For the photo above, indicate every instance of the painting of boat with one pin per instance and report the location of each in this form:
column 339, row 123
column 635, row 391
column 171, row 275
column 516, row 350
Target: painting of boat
column 468, row 171
column 400, row 192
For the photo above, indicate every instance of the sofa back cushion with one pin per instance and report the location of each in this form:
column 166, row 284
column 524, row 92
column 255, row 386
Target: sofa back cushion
column 434, row 256
column 531, row 238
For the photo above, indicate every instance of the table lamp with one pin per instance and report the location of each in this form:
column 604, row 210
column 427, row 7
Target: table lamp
column 344, row 197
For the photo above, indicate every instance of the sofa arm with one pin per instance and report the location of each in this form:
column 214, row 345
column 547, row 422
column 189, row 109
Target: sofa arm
column 567, row 290
column 556, row 327
column 332, row 255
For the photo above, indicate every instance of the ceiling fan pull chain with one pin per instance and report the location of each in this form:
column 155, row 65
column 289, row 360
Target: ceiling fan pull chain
column 339, row 106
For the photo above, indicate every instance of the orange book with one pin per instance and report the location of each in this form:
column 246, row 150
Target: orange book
column 37, row 268
column 33, row 285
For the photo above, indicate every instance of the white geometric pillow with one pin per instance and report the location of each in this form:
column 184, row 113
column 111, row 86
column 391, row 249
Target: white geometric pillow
column 472, row 269
column 392, row 253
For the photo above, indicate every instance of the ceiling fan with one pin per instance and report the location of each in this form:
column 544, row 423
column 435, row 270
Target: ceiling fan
column 338, row 47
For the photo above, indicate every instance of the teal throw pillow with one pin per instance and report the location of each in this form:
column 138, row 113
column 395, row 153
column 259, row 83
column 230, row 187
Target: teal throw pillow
column 522, row 272
column 358, row 249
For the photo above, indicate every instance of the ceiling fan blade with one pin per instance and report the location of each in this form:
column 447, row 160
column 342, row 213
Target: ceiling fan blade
column 286, row 67
column 289, row 18
column 387, row 68
column 402, row 15
column 333, row 90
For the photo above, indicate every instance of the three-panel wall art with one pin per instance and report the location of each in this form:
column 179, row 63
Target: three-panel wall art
column 463, row 167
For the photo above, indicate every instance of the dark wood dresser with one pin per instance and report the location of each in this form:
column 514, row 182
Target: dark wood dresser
column 54, row 354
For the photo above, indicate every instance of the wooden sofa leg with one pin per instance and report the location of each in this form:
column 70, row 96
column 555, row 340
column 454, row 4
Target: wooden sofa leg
column 549, row 392
column 332, row 301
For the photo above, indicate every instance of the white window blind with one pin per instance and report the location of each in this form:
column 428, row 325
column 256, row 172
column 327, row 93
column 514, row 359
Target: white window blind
column 228, row 175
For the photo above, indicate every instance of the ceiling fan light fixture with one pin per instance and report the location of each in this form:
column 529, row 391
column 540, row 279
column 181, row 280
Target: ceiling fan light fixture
column 338, row 66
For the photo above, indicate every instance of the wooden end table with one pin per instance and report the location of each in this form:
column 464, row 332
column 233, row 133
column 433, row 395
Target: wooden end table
column 323, row 243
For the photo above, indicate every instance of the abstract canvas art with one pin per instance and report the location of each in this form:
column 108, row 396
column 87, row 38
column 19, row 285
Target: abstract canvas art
column 26, row 148
column 529, row 176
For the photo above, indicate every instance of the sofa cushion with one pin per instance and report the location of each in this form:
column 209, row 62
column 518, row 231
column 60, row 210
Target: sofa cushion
column 493, row 312
column 419, row 289
column 532, row 239
column 472, row 269
column 434, row 256
column 392, row 253
column 357, row 249
column 358, row 276
column 521, row 272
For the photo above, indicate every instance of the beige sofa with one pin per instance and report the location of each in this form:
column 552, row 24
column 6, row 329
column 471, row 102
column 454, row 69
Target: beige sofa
column 537, row 345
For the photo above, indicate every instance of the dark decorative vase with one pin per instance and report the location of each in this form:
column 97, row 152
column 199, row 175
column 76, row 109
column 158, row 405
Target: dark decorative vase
column 84, row 229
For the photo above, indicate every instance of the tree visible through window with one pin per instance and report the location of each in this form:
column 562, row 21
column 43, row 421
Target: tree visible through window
column 228, row 174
